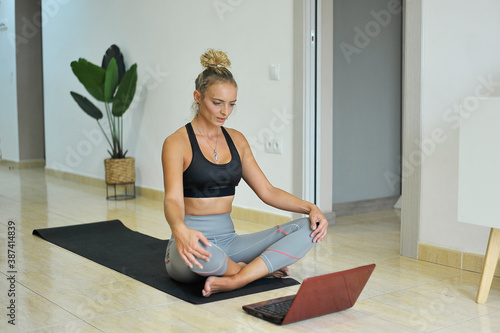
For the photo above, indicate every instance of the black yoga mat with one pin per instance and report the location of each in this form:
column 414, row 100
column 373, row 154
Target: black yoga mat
column 141, row 257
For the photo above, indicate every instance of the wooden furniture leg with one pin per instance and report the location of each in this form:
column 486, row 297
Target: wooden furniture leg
column 490, row 263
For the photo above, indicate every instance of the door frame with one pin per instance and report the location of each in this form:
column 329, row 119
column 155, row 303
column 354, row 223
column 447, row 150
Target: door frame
column 411, row 128
column 317, row 105
column 317, row 168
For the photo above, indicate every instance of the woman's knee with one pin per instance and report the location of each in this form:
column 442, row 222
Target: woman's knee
column 177, row 268
column 216, row 265
column 295, row 225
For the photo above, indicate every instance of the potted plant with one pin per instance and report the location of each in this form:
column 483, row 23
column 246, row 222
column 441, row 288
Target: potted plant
column 114, row 86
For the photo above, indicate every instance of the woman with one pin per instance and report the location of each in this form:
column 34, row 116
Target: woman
column 202, row 164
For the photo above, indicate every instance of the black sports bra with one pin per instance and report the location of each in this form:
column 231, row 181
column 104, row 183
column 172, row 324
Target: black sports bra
column 204, row 179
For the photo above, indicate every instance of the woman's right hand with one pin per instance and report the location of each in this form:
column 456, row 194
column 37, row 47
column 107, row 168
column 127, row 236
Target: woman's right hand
column 188, row 245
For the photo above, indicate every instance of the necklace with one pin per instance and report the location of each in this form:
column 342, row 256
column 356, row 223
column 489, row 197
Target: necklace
column 216, row 141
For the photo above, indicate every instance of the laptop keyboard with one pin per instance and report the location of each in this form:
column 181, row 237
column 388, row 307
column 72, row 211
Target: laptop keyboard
column 276, row 308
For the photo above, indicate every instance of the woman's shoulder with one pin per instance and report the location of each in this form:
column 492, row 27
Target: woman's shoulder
column 235, row 134
column 238, row 138
column 177, row 139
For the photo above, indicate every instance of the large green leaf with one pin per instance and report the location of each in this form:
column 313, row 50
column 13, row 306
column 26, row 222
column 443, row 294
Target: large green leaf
column 87, row 106
column 114, row 52
column 91, row 76
column 111, row 81
column 126, row 92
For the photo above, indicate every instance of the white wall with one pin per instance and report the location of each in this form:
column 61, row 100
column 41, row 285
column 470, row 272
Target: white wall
column 9, row 135
column 460, row 58
column 165, row 39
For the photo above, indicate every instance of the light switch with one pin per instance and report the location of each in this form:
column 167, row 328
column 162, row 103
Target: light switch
column 274, row 72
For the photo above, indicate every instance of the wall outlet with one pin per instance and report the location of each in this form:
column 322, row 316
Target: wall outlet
column 274, row 145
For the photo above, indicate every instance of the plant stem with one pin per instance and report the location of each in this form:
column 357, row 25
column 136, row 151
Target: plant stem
column 118, row 148
column 121, row 134
column 105, row 135
column 112, row 128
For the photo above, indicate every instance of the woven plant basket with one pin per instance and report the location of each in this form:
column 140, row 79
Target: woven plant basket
column 120, row 170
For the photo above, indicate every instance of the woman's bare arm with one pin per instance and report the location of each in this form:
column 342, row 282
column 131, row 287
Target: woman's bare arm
column 187, row 240
column 273, row 196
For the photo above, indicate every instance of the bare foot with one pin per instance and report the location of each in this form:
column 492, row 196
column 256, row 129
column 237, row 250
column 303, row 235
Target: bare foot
column 215, row 284
column 255, row 270
column 280, row 273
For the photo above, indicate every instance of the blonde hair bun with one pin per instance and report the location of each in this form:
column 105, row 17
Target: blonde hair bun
column 214, row 58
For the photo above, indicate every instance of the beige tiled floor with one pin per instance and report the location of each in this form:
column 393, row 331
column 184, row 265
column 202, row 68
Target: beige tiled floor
column 57, row 291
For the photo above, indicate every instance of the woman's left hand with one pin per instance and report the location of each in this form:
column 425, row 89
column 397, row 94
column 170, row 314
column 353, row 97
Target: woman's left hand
column 319, row 224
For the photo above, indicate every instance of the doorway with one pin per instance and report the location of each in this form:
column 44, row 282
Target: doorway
column 29, row 78
column 366, row 127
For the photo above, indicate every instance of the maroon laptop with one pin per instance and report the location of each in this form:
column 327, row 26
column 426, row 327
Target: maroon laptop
column 317, row 296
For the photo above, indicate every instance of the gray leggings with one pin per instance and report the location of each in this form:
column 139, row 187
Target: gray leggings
column 279, row 246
